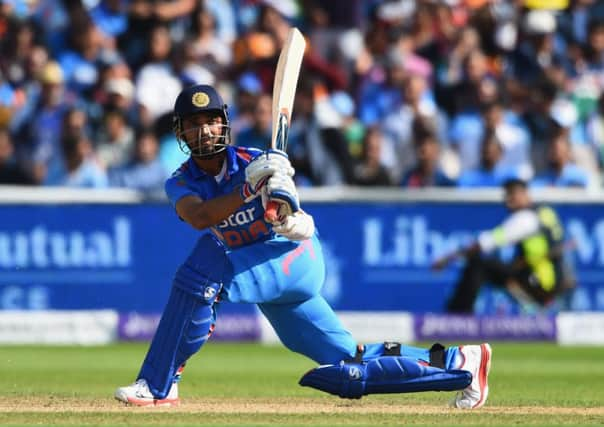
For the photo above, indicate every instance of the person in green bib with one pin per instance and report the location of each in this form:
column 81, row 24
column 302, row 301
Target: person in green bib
column 536, row 273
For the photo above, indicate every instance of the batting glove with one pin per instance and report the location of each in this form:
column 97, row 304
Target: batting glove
column 299, row 226
column 280, row 188
column 265, row 165
column 249, row 193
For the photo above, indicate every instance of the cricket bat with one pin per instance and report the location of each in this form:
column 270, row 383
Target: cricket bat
column 284, row 92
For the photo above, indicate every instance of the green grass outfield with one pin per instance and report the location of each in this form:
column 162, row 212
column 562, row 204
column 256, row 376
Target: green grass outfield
column 249, row 384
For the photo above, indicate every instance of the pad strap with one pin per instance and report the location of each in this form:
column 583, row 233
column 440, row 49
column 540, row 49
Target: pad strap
column 437, row 356
column 358, row 356
column 392, row 348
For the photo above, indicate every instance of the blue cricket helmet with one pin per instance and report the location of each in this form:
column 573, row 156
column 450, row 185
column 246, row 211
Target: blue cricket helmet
column 195, row 100
column 198, row 99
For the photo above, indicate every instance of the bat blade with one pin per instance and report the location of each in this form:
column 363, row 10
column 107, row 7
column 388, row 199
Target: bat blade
column 284, row 87
column 284, row 92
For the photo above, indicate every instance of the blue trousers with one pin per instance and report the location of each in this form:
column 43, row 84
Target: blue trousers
column 284, row 279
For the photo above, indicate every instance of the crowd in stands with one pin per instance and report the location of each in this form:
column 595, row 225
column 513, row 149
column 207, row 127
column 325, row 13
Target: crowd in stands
column 402, row 93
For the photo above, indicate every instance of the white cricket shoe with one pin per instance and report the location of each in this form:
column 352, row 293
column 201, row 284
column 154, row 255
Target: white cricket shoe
column 477, row 360
column 138, row 394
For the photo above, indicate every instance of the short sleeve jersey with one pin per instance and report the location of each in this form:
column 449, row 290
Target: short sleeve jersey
column 243, row 227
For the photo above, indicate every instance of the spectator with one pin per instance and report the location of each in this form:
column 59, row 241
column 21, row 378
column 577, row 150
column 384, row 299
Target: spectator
column 117, row 141
column 492, row 171
column 188, row 68
column 41, row 128
column 258, row 134
column 426, row 172
column 10, row 171
column 381, row 91
column 511, row 133
column 208, row 48
column 452, row 73
column 576, row 18
column 119, row 96
column 79, row 167
column 539, row 121
column 249, row 88
column 319, row 153
column 53, row 17
column 595, row 46
column 28, row 89
column 595, row 131
column 344, row 106
column 535, row 57
column 16, row 50
column 478, row 88
column 564, row 112
column 398, row 153
column 561, row 171
column 334, row 32
column 145, row 172
column 144, row 16
column 225, row 13
column 370, row 171
column 81, row 64
column 425, row 31
column 156, row 85
column 110, row 17
column 75, row 122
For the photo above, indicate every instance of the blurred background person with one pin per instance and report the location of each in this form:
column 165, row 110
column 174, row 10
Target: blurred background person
column 317, row 147
column 426, row 172
column 208, row 47
column 78, row 168
column 537, row 272
column 144, row 170
column 82, row 61
column 258, row 133
column 11, row 172
column 491, row 173
column 369, row 171
column 247, row 91
column 512, row 135
column 41, row 128
column 156, row 85
column 116, row 141
column 561, row 171
column 418, row 103
column 478, row 87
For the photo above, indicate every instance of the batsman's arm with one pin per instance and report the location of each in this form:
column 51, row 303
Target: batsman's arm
column 201, row 214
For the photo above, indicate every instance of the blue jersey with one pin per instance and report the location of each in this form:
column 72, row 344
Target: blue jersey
column 247, row 224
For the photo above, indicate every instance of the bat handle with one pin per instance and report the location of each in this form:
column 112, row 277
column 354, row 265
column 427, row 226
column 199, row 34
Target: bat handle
column 271, row 213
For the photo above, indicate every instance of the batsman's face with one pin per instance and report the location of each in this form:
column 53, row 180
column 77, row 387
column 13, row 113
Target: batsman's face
column 202, row 132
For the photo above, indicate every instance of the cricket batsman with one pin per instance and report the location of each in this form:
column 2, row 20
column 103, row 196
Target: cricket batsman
column 240, row 257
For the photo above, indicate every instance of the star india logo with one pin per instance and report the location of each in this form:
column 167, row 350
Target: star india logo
column 200, row 99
